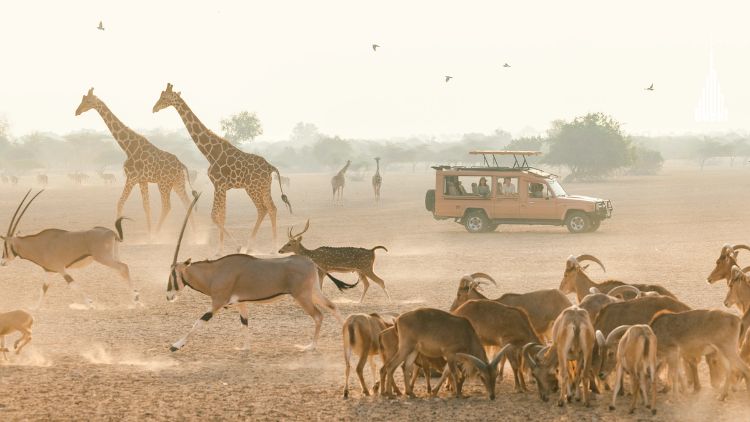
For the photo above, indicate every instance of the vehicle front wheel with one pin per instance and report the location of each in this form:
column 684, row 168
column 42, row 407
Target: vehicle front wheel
column 476, row 222
column 595, row 223
column 578, row 222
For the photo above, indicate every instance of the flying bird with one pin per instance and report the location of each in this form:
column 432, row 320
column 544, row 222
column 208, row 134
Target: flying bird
column 448, row 78
column 650, row 88
column 100, row 27
column 375, row 47
column 506, row 65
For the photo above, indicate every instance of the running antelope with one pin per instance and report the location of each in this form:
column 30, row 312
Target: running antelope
column 12, row 321
column 56, row 250
column 338, row 259
column 235, row 280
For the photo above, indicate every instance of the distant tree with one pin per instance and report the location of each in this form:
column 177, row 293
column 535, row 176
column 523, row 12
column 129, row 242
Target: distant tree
column 304, row 132
column 590, row 146
column 241, row 127
column 332, row 151
column 646, row 161
column 708, row 149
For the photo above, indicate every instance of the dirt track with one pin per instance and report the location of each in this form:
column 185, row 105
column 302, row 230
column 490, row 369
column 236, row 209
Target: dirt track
column 113, row 362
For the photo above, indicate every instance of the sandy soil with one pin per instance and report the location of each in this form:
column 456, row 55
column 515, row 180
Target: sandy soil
column 113, row 362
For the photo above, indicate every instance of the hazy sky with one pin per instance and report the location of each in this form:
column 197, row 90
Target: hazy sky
column 311, row 61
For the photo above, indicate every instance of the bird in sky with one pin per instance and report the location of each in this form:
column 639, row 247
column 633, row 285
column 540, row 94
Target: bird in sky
column 506, row 65
column 375, row 47
column 448, row 78
column 650, row 88
column 100, row 27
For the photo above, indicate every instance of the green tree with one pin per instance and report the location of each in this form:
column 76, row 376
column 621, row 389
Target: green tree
column 590, row 146
column 332, row 151
column 646, row 161
column 304, row 132
column 241, row 127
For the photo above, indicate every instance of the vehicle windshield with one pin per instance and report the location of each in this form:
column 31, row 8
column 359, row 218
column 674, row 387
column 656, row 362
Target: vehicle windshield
column 556, row 188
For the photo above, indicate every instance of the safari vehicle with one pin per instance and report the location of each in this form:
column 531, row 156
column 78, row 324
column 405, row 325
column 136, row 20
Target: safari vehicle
column 481, row 198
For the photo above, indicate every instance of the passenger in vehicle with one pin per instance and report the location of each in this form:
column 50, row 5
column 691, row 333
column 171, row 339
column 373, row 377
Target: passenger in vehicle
column 535, row 190
column 474, row 188
column 508, row 187
column 451, row 187
column 483, row 189
column 461, row 188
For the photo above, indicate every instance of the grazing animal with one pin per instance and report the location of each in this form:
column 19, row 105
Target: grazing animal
column 42, row 179
column 636, row 355
column 361, row 335
column 338, row 181
column 235, row 280
column 389, row 348
column 78, row 178
column 695, row 333
column 727, row 259
column 576, row 280
column 108, row 178
column 338, row 259
column 145, row 163
column 573, row 339
column 542, row 306
column 11, row 322
column 377, row 179
column 57, row 250
column 229, row 168
column 438, row 334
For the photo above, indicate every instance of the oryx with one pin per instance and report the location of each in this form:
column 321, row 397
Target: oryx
column 236, row 280
column 58, row 250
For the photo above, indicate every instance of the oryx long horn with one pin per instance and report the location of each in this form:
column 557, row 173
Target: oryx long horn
column 484, row 276
column 592, row 258
column 15, row 214
column 23, row 211
column 184, row 224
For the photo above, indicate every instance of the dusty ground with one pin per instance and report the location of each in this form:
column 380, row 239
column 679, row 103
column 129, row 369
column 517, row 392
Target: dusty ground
column 114, row 363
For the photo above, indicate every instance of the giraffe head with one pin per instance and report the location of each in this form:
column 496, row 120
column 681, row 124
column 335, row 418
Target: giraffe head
column 88, row 102
column 168, row 98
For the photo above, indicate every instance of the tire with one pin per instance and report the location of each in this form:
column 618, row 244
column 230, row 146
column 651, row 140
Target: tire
column 429, row 200
column 578, row 222
column 476, row 222
column 595, row 223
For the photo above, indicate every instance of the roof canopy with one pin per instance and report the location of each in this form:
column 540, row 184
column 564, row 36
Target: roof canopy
column 506, row 152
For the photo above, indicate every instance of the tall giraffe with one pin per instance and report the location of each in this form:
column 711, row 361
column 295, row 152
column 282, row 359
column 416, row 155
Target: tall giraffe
column 377, row 180
column 338, row 181
column 145, row 163
column 229, row 168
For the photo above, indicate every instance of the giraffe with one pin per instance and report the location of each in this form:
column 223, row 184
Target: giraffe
column 145, row 163
column 377, row 180
column 338, row 181
column 229, row 168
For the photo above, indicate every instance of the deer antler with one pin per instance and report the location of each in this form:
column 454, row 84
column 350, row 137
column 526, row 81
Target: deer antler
column 307, row 226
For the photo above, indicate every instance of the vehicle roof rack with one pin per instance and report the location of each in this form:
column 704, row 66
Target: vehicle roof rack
column 519, row 157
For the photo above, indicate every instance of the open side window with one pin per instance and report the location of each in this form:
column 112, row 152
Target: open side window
column 507, row 187
column 476, row 187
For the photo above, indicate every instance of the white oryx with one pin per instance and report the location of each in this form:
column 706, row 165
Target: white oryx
column 56, row 250
column 235, row 280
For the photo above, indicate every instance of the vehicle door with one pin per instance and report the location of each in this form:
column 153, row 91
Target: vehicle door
column 507, row 199
column 538, row 201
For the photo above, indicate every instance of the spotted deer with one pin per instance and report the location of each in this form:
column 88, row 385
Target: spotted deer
column 338, row 259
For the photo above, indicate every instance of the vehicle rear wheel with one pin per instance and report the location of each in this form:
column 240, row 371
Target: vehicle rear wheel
column 578, row 222
column 476, row 222
column 595, row 223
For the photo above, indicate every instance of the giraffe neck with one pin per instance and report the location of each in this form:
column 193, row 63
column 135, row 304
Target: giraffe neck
column 377, row 166
column 209, row 144
column 343, row 170
column 125, row 137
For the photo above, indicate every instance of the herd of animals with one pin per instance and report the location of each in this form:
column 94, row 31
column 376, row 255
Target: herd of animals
column 614, row 329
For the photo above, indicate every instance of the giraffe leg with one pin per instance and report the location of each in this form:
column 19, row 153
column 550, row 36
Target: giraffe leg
column 219, row 213
column 262, row 211
column 146, row 204
column 166, row 204
column 180, row 190
column 129, row 183
column 271, row 208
